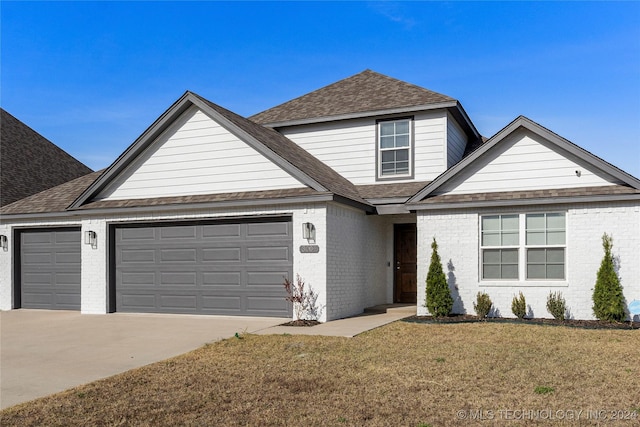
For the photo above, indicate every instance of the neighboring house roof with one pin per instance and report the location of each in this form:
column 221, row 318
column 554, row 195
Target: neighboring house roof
column 365, row 92
column 422, row 197
column 30, row 163
column 55, row 199
column 273, row 145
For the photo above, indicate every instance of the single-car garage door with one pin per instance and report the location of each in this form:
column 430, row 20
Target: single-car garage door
column 230, row 268
column 50, row 269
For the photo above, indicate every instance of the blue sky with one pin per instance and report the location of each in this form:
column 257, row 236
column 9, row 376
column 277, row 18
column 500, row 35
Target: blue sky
column 92, row 76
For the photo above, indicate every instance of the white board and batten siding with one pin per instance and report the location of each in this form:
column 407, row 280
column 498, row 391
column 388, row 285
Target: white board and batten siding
column 456, row 141
column 196, row 155
column 525, row 161
column 349, row 146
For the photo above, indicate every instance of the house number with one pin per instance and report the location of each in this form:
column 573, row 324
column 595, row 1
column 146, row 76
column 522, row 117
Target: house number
column 309, row 249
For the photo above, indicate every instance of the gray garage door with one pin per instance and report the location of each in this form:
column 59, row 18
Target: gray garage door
column 50, row 269
column 216, row 268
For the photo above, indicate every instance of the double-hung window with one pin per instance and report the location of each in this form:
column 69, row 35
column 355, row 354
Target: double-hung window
column 545, row 245
column 523, row 246
column 500, row 237
column 394, row 148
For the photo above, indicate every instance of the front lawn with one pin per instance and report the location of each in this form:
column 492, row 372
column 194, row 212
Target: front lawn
column 403, row 374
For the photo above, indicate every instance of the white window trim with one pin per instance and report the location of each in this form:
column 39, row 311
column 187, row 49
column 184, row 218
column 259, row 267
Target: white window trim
column 380, row 150
column 522, row 253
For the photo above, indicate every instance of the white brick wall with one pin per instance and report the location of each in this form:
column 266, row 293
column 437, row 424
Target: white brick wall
column 458, row 240
column 94, row 276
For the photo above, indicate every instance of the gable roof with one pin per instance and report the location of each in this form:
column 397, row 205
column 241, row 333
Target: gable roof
column 523, row 122
column 30, row 163
column 365, row 92
column 273, row 145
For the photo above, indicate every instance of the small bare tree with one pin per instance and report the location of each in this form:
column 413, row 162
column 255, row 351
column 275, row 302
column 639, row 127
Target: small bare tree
column 305, row 302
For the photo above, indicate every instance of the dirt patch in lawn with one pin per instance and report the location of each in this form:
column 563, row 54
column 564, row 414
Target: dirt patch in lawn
column 402, row 374
column 467, row 318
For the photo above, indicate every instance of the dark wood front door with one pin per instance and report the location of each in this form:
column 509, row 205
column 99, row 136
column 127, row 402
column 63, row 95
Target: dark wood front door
column 405, row 278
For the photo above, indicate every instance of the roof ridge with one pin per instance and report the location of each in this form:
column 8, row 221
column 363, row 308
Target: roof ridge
column 366, row 91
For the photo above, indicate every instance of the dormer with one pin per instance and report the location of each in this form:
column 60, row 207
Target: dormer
column 373, row 129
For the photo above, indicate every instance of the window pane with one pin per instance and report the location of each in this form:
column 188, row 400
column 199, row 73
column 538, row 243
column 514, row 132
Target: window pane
column 555, row 255
column 510, row 222
column 510, row 271
column 535, row 238
column 491, row 256
column 491, row 223
column 402, row 155
column 535, row 221
column 555, row 271
column 387, row 128
column 555, row 221
column 402, row 141
column 555, row 238
column 536, row 256
column 510, row 256
column 386, row 142
column 402, row 127
column 536, row 271
column 510, row 239
column 387, row 168
column 491, row 272
column 490, row 239
column 402, row 167
column 388, row 156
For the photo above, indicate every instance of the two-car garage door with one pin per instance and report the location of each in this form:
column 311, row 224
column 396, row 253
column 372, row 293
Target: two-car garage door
column 231, row 268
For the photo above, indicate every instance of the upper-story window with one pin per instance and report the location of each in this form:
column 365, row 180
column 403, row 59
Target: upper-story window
column 395, row 148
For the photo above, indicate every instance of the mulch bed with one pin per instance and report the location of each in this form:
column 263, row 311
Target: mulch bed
column 467, row 318
column 301, row 323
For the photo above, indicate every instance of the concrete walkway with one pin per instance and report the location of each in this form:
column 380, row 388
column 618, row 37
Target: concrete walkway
column 47, row 351
column 349, row 327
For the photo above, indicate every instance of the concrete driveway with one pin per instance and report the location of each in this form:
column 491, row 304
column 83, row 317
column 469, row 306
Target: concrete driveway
column 47, row 351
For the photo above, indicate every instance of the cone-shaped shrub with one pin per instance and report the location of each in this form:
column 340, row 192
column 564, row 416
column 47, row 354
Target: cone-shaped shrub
column 439, row 301
column 608, row 299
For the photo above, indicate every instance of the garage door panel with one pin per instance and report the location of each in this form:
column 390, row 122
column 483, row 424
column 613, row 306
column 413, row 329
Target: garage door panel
column 221, row 230
column 224, row 255
column 273, row 253
column 137, row 256
column 221, row 279
column 226, row 268
column 50, row 269
column 178, row 255
column 268, row 229
column 178, row 279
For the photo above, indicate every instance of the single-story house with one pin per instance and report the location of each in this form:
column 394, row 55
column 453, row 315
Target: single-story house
column 347, row 186
column 29, row 162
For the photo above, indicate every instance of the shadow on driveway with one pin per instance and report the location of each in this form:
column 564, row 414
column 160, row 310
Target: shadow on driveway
column 46, row 351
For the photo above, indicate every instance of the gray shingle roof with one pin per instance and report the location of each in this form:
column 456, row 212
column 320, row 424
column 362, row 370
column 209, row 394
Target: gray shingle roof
column 55, row 199
column 605, row 190
column 396, row 189
column 30, row 163
column 367, row 91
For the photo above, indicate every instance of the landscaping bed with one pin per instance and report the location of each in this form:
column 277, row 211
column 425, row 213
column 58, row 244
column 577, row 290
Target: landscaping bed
column 468, row 318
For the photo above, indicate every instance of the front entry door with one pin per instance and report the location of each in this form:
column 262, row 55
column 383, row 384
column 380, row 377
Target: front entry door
column 405, row 278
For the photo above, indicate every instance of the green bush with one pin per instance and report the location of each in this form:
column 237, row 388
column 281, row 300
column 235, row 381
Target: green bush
column 519, row 306
column 556, row 305
column 608, row 299
column 439, row 301
column 483, row 305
